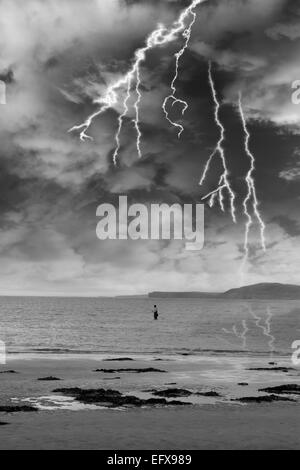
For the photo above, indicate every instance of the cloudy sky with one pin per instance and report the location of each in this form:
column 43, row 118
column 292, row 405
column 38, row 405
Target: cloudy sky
column 57, row 57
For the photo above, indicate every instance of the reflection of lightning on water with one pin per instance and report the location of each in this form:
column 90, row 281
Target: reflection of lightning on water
column 266, row 328
column 256, row 318
column 269, row 330
column 251, row 194
column 132, row 80
column 263, row 324
column 242, row 335
column 224, row 183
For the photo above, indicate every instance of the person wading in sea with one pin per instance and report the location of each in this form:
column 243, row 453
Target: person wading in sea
column 155, row 312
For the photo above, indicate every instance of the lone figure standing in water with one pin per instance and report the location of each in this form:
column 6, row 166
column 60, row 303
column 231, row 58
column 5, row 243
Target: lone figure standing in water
column 155, row 312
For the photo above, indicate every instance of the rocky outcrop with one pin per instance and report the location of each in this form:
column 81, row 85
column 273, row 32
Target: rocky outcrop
column 180, row 392
column 119, row 359
column 262, row 399
column 137, row 371
column 17, row 409
column 113, row 398
column 285, row 389
column 208, row 394
column 49, row 379
column 171, row 392
column 8, row 372
column 275, row 369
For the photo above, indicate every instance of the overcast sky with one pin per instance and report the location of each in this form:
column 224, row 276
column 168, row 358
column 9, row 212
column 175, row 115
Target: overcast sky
column 57, row 57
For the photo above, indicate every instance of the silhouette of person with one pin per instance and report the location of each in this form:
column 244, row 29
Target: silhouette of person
column 155, row 312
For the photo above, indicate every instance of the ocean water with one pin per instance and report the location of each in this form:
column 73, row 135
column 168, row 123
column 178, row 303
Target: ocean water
column 126, row 326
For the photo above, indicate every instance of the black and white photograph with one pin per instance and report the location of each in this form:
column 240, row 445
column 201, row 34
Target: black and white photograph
column 149, row 227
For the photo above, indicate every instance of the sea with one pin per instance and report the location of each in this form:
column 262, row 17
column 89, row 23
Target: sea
column 85, row 326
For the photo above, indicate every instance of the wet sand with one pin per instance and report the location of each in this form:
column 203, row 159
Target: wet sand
column 272, row 426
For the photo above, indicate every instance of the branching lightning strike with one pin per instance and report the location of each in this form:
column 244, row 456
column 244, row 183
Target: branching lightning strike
column 110, row 99
column 132, row 81
column 224, row 183
column 187, row 31
column 251, row 194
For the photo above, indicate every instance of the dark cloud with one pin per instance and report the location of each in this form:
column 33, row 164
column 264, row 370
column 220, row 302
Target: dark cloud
column 57, row 57
column 7, row 76
column 290, row 226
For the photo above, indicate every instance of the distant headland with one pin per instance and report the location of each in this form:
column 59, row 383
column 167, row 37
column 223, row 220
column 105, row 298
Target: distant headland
column 264, row 291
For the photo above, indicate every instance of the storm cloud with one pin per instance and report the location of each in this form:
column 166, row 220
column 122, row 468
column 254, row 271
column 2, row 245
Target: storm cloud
column 58, row 57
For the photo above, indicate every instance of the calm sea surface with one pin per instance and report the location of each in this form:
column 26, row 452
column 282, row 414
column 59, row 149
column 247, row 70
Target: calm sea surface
column 107, row 325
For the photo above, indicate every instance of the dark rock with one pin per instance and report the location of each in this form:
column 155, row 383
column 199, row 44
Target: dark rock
column 8, row 372
column 273, row 363
column 286, row 389
column 137, row 371
column 208, row 394
column 277, row 369
column 180, row 392
column 261, row 399
column 17, row 409
column 172, row 392
column 46, row 379
column 88, row 393
column 157, row 401
column 119, row 359
column 112, row 398
column 243, row 384
column 176, row 402
column 70, row 392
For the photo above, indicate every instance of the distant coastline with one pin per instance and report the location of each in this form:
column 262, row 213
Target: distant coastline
column 263, row 291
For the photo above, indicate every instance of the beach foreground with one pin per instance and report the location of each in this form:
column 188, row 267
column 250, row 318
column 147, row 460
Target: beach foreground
column 209, row 391
column 271, row 426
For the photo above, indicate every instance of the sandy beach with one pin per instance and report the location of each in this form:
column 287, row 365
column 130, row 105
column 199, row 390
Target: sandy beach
column 215, row 419
column 272, row 426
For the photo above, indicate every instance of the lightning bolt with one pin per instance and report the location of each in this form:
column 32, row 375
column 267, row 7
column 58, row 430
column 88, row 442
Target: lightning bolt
column 251, row 197
column 111, row 98
column 132, row 81
column 187, row 31
column 224, row 183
